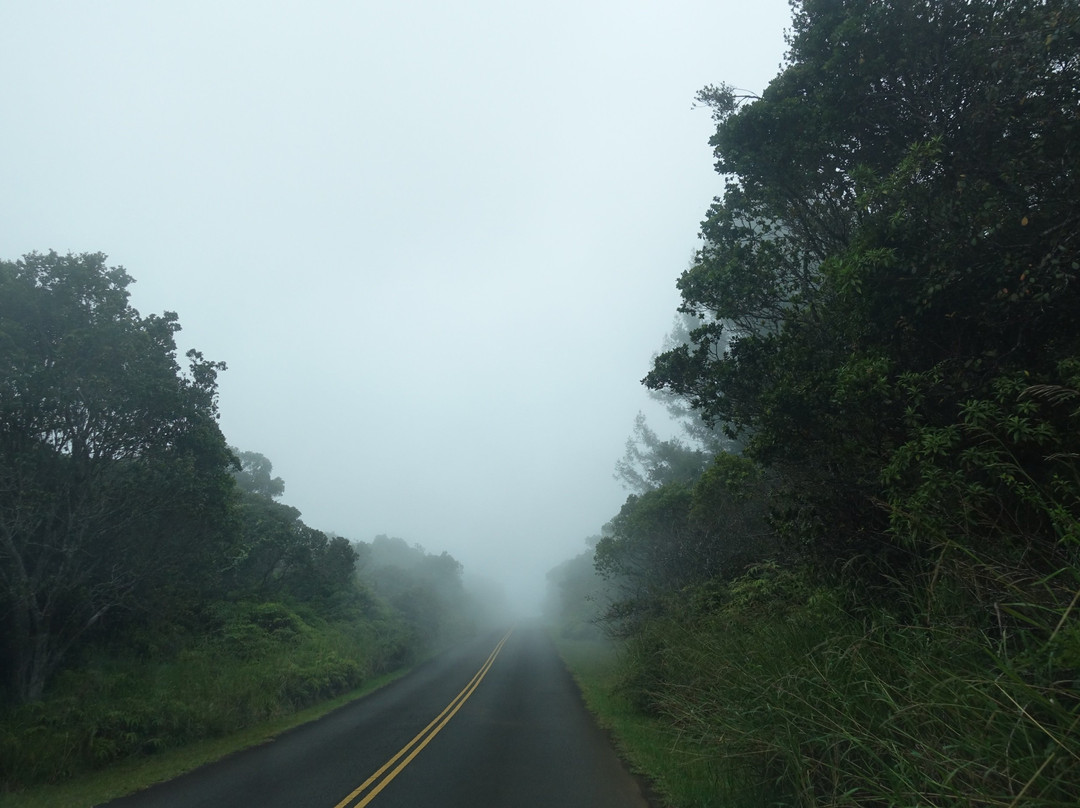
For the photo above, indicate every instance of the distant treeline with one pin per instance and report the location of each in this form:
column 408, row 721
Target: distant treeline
column 153, row 591
column 862, row 588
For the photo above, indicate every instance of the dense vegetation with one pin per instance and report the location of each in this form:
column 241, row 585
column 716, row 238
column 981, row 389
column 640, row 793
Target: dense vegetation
column 871, row 597
column 153, row 591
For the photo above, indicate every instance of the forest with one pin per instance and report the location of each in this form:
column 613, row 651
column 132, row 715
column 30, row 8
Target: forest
column 854, row 580
column 153, row 590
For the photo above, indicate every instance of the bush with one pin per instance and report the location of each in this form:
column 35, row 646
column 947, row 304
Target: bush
column 772, row 675
column 264, row 661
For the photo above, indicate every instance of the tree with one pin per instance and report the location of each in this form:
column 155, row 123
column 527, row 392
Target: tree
column 577, row 597
column 677, row 535
column 424, row 588
column 114, row 485
column 253, row 475
column 897, row 234
column 712, row 438
column 279, row 555
column 650, row 462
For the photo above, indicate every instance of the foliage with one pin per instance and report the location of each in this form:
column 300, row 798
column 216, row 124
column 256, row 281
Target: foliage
column 650, row 462
column 280, row 555
column 813, row 706
column 152, row 591
column 1006, row 470
column 257, row 660
column 680, row 771
column 676, row 535
column 933, row 231
column 886, row 303
column 424, row 588
column 113, row 471
column 253, row 475
column 578, row 597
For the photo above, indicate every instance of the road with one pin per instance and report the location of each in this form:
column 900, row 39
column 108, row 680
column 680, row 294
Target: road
column 496, row 722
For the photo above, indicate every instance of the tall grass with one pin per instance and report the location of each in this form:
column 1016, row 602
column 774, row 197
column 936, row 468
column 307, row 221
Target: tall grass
column 263, row 661
column 678, row 767
column 823, row 709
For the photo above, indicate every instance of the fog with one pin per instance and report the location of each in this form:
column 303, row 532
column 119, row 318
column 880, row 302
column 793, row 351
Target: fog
column 435, row 243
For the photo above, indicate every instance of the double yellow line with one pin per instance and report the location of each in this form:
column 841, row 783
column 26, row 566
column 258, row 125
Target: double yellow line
column 377, row 782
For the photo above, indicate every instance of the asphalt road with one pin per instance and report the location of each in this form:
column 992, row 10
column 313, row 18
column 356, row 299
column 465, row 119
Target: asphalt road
column 497, row 722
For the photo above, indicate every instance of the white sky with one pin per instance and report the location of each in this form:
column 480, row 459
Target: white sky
column 435, row 242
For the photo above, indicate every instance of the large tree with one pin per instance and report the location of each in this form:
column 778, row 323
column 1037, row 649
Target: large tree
column 254, row 475
column 651, row 462
column 898, row 234
column 114, row 476
column 278, row 554
column 676, row 535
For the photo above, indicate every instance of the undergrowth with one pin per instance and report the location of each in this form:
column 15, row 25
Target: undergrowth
column 262, row 661
column 778, row 680
column 678, row 768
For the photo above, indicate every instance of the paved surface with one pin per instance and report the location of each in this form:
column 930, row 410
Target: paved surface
column 497, row 723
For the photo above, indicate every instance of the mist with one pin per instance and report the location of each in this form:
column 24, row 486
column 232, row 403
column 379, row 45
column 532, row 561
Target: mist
column 435, row 244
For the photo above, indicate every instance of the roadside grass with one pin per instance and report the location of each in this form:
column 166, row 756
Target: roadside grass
column 683, row 772
column 823, row 708
column 123, row 720
column 767, row 691
column 134, row 775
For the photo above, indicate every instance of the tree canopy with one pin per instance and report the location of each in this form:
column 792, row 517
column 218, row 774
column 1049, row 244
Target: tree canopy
column 896, row 238
column 886, row 302
column 113, row 471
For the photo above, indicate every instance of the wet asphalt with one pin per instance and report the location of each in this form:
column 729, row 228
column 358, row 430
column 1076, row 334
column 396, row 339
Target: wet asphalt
column 497, row 722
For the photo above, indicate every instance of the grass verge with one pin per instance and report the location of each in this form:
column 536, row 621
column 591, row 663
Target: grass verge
column 133, row 775
column 682, row 772
column 791, row 700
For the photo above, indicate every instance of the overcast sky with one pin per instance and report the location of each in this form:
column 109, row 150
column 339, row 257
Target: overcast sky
column 435, row 242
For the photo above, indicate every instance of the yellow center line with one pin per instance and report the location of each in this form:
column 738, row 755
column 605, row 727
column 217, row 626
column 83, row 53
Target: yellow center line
column 423, row 738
